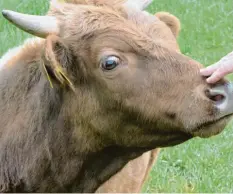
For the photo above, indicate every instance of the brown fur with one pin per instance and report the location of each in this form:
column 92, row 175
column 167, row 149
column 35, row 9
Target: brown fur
column 64, row 140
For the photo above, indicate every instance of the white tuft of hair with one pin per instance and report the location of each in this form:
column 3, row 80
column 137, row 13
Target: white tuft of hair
column 16, row 50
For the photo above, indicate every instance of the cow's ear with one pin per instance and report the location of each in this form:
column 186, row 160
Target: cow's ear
column 56, row 59
column 171, row 21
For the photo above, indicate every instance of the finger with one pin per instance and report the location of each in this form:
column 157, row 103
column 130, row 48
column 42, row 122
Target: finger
column 210, row 69
column 216, row 76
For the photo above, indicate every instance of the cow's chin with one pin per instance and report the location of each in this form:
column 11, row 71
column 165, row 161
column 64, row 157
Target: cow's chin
column 212, row 128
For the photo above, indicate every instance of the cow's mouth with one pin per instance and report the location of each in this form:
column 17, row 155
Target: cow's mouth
column 207, row 129
column 209, row 123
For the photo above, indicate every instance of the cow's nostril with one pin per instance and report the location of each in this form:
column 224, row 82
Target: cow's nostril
column 217, row 98
column 222, row 96
column 214, row 96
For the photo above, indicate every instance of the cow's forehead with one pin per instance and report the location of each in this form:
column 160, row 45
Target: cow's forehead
column 114, row 7
column 88, row 20
column 105, row 12
column 95, row 2
column 141, row 17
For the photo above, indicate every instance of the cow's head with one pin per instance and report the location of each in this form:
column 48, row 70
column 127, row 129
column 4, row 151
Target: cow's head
column 124, row 66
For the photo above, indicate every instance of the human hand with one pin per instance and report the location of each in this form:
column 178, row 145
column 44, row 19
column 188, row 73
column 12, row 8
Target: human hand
column 218, row 70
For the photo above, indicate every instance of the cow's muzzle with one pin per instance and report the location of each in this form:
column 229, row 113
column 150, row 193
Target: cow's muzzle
column 222, row 95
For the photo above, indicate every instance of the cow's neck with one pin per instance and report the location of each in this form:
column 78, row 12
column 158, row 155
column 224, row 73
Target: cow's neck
column 95, row 157
column 88, row 155
column 100, row 166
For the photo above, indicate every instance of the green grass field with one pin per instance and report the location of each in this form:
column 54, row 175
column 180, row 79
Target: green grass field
column 199, row 165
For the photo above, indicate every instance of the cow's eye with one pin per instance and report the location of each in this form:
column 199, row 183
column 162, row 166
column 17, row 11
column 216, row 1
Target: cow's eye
column 110, row 63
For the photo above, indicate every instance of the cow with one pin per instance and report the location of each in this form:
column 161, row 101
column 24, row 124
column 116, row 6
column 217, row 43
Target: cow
column 99, row 91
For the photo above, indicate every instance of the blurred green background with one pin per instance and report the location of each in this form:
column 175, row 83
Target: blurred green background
column 199, row 165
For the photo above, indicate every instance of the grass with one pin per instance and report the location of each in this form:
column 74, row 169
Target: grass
column 199, row 165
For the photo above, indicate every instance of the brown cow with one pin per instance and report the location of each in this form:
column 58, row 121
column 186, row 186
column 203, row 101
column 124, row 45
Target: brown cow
column 98, row 92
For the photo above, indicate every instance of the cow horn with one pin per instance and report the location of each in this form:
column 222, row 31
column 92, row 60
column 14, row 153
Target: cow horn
column 36, row 25
column 138, row 4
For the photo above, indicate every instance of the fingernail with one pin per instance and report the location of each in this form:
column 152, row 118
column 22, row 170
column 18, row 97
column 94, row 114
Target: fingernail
column 209, row 80
column 202, row 71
